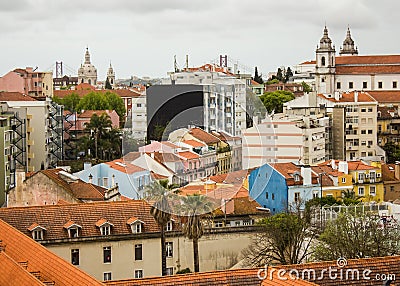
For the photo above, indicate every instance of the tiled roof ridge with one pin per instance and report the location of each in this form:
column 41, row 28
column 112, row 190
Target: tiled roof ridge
column 77, row 204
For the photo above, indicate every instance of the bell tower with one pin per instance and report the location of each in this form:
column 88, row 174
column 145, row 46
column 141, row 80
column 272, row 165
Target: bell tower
column 111, row 76
column 348, row 48
column 325, row 65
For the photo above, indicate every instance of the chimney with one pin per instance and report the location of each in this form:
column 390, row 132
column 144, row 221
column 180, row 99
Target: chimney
column 90, row 178
column 397, row 170
column 306, row 174
column 113, row 181
column 337, row 95
column 333, row 164
column 356, row 96
column 87, row 165
column 344, row 167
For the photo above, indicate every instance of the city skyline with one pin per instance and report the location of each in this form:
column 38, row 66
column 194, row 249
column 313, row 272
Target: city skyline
column 141, row 38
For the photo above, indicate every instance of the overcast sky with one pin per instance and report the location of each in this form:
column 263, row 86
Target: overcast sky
column 141, row 37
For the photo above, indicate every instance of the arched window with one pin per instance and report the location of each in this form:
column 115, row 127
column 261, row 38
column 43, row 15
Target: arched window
column 82, row 81
column 323, row 61
column 112, row 81
column 89, row 81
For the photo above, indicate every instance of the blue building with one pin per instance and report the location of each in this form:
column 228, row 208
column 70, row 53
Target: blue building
column 130, row 178
column 281, row 186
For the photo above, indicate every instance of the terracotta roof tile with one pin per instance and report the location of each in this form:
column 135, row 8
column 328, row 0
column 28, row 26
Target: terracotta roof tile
column 102, row 222
column 203, row 136
column 194, row 143
column 52, row 268
column 124, row 167
column 53, row 217
column 189, row 155
column 132, row 220
column 14, row 96
column 70, row 223
column 368, row 60
column 350, row 97
column 386, row 96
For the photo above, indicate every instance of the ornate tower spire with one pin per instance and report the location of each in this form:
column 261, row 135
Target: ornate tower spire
column 348, row 45
column 87, row 56
column 325, row 65
column 325, row 43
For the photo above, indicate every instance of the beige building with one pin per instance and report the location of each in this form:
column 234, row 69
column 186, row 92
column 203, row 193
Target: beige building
column 120, row 240
column 284, row 138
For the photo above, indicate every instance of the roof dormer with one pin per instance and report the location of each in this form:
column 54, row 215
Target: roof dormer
column 72, row 228
column 135, row 224
column 104, row 226
column 37, row 231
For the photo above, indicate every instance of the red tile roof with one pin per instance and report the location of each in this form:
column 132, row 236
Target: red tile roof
column 349, row 97
column 236, row 177
column 166, row 157
column 14, row 96
column 203, row 136
column 124, row 167
column 194, row 143
column 237, row 277
column 87, row 215
column 389, row 96
column 89, row 113
column 352, row 165
column 368, row 60
column 189, row 155
column 38, row 259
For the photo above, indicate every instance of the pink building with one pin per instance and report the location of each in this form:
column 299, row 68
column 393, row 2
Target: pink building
column 28, row 81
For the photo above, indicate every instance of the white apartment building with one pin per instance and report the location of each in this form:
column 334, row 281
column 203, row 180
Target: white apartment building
column 284, row 139
column 139, row 118
column 224, row 97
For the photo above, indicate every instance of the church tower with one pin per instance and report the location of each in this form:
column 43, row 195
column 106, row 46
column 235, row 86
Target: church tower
column 348, row 48
column 87, row 73
column 111, row 76
column 325, row 65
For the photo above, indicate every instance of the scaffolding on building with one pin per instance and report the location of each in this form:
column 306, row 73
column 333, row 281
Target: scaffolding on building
column 18, row 125
column 55, row 131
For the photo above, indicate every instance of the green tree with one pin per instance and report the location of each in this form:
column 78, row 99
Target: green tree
column 272, row 81
column 194, row 209
column 392, row 152
column 279, row 74
column 258, row 78
column 349, row 197
column 354, row 235
column 116, row 103
column 94, row 101
column 273, row 101
column 286, row 239
column 288, row 74
column 161, row 212
column 306, row 87
column 70, row 101
column 107, row 84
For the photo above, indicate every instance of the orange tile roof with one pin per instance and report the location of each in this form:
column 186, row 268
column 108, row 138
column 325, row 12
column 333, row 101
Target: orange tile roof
column 381, row 69
column 21, row 248
column 79, row 189
column 194, row 143
column 131, row 156
column 34, row 226
column 352, row 165
column 132, row 220
column 158, row 176
column 89, row 113
column 166, row 157
column 349, row 97
column 368, row 60
column 288, row 169
column 54, row 217
column 203, row 136
column 70, row 223
column 236, row 277
column 386, row 96
column 126, row 167
column 84, row 86
column 236, row 177
column 14, row 96
column 102, row 222
column 169, row 144
column 189, row 155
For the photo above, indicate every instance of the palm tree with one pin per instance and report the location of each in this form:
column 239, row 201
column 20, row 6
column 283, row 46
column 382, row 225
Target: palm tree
column 349, row 197
column 194, row 208
column 161, row 212
column 98, row 127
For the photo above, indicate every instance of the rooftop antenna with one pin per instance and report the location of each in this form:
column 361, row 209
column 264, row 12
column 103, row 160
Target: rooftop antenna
column 175, row 64
column 187, row 62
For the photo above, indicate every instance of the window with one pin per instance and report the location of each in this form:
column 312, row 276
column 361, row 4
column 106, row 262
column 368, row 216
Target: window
column 138, row 252
column 169, row 226
column 360, row 191
column 273, row 197
column 107, row 276
column 338, row 85
column 75, row 256
column 105, row 230
column 139, row 105
column 369, row 109
column 138, row 273
column 363, row 131
column 296, row 178
column 169, row 249
column 351, row 84
column 343, row 180
column 394, row 84
column 107, row 254
column 170, row 270
column 266, row 195
column 73, row 232
column 365, row 84
column 137, row 228
column 105, row 182
column 297, row 197
column 37, row 234
column 369, row 131
column 372, row 191
column 392, row 188
column 380, row 84
column 218, row 224
column 323, row 61
column 360, row 176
